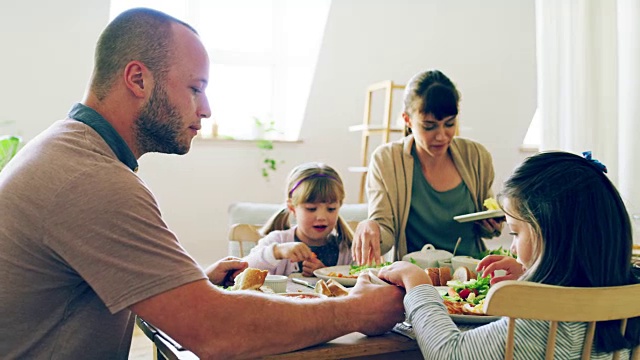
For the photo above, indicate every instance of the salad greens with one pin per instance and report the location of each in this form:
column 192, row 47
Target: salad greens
column 356, row 269
column 470, row 291
column 498, row 251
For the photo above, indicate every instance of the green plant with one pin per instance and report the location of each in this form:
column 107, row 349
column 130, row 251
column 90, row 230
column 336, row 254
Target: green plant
column 265, row 144
column 9, row 145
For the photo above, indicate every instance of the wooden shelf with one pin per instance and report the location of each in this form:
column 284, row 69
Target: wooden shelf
column 373, row 128
column 384, row 130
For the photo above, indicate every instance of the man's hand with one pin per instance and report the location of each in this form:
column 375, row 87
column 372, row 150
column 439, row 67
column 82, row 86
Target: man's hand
column 404, row 274
column 366, row 243
column 491, row 263
column 379, row 307
column 223, row 271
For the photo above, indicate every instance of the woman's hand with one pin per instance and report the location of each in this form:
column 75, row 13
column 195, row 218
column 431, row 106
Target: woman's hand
column 223, row 271
column 492, row 226
column 366, row 243
column 294, row 251
column 404, row 274
column 310, row 265
column 492, row 263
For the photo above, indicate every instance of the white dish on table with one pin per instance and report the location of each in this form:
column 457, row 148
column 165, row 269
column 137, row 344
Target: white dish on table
column 488, row 214
column 323, row 273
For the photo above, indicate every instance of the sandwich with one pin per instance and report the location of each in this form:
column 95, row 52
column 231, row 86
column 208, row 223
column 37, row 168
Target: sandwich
column 330, row 288
column 250, row 279
column 336, row 288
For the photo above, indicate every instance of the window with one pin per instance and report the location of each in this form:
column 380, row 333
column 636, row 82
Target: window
column 263, row 55
column 533, row 138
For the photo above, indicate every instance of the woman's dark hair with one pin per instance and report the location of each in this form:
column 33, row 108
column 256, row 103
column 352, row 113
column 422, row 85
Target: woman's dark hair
column 582, row 235
column 431, row 92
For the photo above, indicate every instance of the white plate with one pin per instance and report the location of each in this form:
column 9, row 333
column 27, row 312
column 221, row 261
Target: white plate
column 341, row 269
column 473, row 319
column 479, row 216
column 467, row 319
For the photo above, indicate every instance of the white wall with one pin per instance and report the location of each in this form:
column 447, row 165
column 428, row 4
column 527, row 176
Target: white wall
column 487, row 48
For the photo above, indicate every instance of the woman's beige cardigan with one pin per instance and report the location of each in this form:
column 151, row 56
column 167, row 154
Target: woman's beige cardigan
column 389, row 183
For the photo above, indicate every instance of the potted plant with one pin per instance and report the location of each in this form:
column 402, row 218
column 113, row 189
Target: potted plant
column 8, row 147
column 264, row 131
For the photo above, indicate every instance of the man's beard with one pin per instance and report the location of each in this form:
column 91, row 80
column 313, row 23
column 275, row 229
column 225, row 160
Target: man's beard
column 159, row 126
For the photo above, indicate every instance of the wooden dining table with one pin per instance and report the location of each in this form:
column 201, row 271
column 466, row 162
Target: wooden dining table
column 391, row 345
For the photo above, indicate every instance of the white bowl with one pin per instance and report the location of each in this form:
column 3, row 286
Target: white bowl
column 277, row 283
column 465, row 261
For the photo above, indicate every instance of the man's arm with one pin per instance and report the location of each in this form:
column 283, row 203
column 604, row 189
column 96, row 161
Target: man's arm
column 215, row 323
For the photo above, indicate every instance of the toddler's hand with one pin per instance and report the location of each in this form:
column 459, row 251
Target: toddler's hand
column 310, row 265
column 492, row 263
column 294, row 251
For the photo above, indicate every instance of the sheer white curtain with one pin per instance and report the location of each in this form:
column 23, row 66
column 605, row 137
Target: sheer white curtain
column 589, row 84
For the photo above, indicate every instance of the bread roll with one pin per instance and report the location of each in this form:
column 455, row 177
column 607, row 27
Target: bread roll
column 250, row 279
column 322, row 288
column 445, row 275
column 434, row 274
column 336, row 288
column 462, row 274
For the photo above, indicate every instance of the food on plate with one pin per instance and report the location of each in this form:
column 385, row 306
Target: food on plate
column 331, row 288
column 462, row 274
column 445, row 275
column 336, row 288
column 357, row 269
column 478, row 309
column 439, row 276
column 322, row 288
column 466, row 297
column 302, row 295
column 491, row 204
column 250, row 279
column 341, row 275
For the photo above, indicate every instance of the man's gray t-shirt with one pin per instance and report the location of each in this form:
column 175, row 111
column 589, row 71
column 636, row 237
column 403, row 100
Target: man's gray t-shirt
column 81, row 240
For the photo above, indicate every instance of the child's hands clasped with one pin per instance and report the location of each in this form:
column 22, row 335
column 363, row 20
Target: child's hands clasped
column 404, row 274
column 294, row 251
column 492, row 263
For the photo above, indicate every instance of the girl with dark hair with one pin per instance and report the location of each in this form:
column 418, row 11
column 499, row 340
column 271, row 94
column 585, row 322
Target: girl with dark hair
column 321, row 237
column 570, row 228
column 415, row 186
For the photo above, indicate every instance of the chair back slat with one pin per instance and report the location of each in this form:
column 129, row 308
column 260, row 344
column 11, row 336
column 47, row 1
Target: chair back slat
column 588, row 341
column 244, row 233
column 556, row 303
column 527, row 300
column 511, row 330
column 551, row 340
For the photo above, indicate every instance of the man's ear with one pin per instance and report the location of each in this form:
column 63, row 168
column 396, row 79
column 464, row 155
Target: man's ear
column 137, row 78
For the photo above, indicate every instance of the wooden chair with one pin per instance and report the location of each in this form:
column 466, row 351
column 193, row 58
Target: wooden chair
column 526, row 300
column 244, row 233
